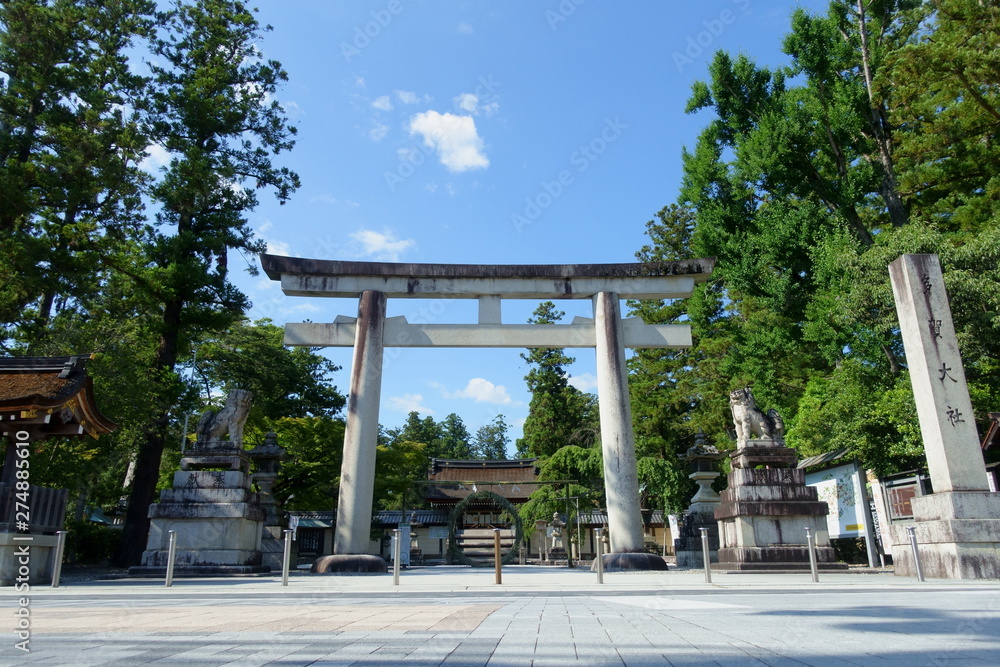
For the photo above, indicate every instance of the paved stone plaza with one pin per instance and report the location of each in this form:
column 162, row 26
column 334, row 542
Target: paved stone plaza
column 538, row 616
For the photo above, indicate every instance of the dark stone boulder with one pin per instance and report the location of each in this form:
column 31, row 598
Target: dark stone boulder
column 631, row 562
column 346, row 564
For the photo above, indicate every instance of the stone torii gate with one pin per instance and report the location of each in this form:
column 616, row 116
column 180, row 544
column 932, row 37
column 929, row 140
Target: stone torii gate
column 370, row 332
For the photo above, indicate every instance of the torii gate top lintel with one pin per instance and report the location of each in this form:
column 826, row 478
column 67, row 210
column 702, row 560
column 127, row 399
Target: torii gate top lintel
column 335, row 278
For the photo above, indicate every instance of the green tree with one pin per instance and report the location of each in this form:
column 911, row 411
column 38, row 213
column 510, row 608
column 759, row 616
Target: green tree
column 285, row 382
column 397, row 466
column 211, row 108
column 490, row 441
column 811, row 179
column 70, row 145
column 425, row 431
column 559, row 414
column 310, row 478
column 945, row 88
column 454, row 441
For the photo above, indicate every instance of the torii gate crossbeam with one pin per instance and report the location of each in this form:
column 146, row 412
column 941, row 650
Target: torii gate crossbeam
column 370, row 332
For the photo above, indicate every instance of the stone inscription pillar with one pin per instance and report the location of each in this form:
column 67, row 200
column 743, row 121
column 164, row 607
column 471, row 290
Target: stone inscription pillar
column 621, row 481
column 958, row 525
column 944, row 409
column 357, row 472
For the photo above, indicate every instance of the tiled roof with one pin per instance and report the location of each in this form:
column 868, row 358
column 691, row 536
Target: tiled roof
column 823, row 459
column 36, row 382
column 515, row 470
column 50, row 386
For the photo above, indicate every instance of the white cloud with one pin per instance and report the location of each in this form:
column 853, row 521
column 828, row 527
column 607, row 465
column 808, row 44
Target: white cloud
column 470, row 103
column 382, row 246
column 407, row 97
column 482, row 391
column 382, row 103
column 274, row 247
column 156, row 156
column 453, row 137
column 302, row 307
column 409, row 403
column 585, row 383
column 465, row 28
column 278, row 248
column 467, row 102
column 378, row 132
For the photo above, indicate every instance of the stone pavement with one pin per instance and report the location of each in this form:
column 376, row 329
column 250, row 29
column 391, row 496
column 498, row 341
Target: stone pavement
column 539, row 616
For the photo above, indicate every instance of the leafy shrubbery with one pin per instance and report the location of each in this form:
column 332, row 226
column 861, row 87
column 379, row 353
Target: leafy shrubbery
column 89, row 543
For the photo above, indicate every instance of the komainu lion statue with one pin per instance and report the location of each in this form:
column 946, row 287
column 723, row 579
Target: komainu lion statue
column 751, row 422
column 230, row 419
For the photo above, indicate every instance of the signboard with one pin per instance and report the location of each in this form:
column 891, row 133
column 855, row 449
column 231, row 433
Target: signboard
column 437, row 532
column 840, row 488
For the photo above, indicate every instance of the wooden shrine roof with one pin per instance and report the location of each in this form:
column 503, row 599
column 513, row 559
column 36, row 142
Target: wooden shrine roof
column 52, row 395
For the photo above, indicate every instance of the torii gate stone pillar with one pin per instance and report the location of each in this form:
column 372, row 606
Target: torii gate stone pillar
column 373, row 283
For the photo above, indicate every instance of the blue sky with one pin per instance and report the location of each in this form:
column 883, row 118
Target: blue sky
column 482, row 132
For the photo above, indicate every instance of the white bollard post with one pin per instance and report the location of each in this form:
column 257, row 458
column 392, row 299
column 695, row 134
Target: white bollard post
column 287, row 559
column 599, row 541
column 912, row 530
column 395, row 556
column 58, row 558
column 706, row 555
column 171, row 554
column 812, row 554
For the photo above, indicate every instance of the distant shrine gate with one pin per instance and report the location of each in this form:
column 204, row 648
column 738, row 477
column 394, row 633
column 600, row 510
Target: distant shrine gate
column 370, row 332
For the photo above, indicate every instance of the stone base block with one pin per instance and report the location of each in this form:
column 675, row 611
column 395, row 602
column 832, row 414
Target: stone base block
column 272, row 547
column 247, row 511
column 203, row 557
column 205, row 479
column 196, row 495
column 231, row 533
column 772, row 531
column 695, row 558
column 783, row 555
column 631, row 562
column 348, row 564
column 40, row 559
column 958, row 536
column 199, row 571
column 737, row 568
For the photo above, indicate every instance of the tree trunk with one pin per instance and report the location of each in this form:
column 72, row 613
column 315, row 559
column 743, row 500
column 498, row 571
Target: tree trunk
column 135, row 532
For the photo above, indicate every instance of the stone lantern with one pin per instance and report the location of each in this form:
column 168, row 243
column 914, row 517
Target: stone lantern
column 268, row 457
column 703, row 460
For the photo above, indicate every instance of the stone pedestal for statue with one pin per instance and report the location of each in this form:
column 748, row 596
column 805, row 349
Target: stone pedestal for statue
column 957, row 526
column 217, row 518
column 703, row 460
column 764, row 513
